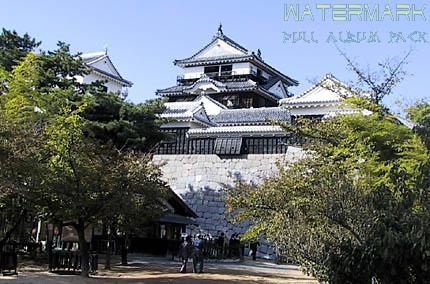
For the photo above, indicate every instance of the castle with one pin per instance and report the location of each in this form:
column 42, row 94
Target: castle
column 221, row 116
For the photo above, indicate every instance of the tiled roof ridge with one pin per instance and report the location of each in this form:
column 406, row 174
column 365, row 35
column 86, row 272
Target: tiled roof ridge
column 96, row 54
column 238, row 129
column 251, row 116
column 207, row 119
column 253, row 109
column 229, row 57
column 210, row 99
column 206, row 78
column 232, row 42
column 94, row 57
column 111, row 75
column 218, row 35
column 313, row 87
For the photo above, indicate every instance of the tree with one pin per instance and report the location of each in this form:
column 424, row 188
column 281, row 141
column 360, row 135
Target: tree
column 90, row 180
column 419, row 114
column 89, row 166
column 112, row 119
column 356, row 207
column 14, row 47
column 18, row 167
column 126, row 127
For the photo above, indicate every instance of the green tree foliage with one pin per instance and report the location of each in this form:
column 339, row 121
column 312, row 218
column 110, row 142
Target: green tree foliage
column 14, row 47
column 356, row 207
column 18, row 165
column 420, row 116
column 124, row 124
column 74, row 151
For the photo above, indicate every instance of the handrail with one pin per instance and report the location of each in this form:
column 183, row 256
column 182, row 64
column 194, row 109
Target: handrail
column 222, row 74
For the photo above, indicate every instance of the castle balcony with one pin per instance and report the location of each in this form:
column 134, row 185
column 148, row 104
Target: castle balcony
column 221, row 76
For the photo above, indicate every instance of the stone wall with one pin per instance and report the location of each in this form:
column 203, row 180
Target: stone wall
column 200, row 180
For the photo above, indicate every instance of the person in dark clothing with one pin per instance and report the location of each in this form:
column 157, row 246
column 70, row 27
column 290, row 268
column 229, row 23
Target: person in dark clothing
column 219, row 243
column 198, row 256
column 253, row 246
column 234, row 245
column 185, row 252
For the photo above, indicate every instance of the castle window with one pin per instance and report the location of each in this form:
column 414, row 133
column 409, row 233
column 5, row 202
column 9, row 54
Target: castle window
column 228, row 146
column 247, row 102
column 212, row 71
column 226, row 69
column 230, row 101
column 217, row 70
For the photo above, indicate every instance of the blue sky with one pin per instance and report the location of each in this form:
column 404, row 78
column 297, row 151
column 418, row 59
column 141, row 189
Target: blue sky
column 144, row 37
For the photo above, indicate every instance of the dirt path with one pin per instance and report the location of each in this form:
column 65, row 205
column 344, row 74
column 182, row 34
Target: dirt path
column 156, row 270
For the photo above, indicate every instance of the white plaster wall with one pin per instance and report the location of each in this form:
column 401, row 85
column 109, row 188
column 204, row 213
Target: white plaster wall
column 193, row 72
column 104, row 65
column 197, row 71
column 241, row 68
column 111, row 85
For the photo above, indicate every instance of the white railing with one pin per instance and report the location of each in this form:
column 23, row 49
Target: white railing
column 192, row 76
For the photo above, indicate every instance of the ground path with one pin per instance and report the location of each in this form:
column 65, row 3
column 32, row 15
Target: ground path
column 159, row 270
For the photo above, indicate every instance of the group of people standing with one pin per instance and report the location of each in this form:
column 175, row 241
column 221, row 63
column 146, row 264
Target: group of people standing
column 192, row 248
column 199, row 246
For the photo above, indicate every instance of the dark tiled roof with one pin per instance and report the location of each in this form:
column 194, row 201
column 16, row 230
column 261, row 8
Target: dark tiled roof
column 119, row 78
column 233, row 86
column 91, row 59
column 251, row 116
column 173, row 89
column 290, row 81
column 241, row 84
column 218, row 59
column 175, row 111
column 229, row 86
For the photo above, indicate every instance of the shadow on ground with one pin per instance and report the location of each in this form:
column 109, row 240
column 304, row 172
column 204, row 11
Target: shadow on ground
column 163, row 271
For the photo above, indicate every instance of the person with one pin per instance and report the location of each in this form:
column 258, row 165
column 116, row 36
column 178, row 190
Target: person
column 219, row 243
column 254, row 246
column 234, row 246
column 198, row 256
column 185, row 252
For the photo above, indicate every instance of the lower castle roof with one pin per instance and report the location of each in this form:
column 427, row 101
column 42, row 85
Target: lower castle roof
column 262, row 115
column 250, row 130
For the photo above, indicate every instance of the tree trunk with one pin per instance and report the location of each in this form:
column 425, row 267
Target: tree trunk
column 9, row 233
column 83, row 249
column 124, row 250
column 108, row 249
column 49, row 247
